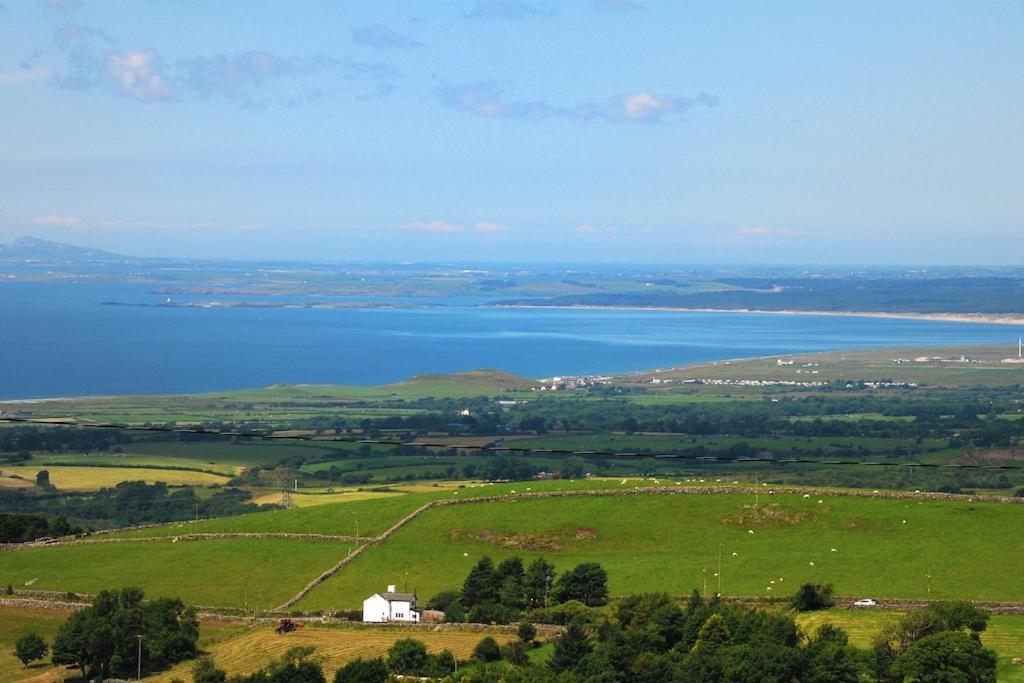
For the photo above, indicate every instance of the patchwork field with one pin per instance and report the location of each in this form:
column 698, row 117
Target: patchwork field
column 255, row 647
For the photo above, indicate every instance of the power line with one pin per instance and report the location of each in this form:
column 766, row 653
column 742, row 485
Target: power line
column 513, row 450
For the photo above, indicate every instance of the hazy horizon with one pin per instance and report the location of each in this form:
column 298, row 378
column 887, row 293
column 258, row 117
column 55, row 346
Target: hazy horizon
column 517, row 131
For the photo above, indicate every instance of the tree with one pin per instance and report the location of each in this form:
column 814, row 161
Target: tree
column 442, row 600
column 205, row 671
column 587, row 582
column 946, row 656
column 43, row 479
column 540, row 577
column 714, row 633
column 481, row 585
column 103, row 637
column 570, row 648
column 813, row 596
column 526, row 632
column 29, row 648
column 487, row 650
column 510, row 576
column 362, row 671
column 407, row 656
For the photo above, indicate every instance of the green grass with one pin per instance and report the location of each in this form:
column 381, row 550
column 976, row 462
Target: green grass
column 18, row 621
column 1005, row 633
column 228, row 572
column 663, row 542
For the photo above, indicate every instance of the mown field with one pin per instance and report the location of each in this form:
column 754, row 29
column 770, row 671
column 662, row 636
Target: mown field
column 71, row 478
column 255, row 647
column 883, row 548
column 1005, row 634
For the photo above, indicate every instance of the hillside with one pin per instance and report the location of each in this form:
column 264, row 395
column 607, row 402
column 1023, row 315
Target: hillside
column 35, row 249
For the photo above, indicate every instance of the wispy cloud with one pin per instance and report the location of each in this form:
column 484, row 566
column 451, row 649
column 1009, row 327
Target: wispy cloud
column 507, row 9
column 436, row 225
column 383, row 37
column 65, row 221
column 487, row 99
column 140, row 75
column 489, row 226
column 763, row 231
column 123, row 224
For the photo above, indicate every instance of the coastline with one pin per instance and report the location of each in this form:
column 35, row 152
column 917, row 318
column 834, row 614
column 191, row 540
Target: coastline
column 986, row 318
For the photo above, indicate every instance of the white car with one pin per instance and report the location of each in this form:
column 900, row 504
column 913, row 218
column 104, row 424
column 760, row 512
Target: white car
column 865, row 602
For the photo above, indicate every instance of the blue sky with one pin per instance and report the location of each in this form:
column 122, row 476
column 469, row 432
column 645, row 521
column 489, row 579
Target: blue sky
column 482, row 130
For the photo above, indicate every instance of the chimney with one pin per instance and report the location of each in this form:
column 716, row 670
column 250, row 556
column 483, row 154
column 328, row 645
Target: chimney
column 391, row 588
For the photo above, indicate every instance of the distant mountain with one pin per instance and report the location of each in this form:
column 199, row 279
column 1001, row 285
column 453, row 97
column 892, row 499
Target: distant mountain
column 35, row 249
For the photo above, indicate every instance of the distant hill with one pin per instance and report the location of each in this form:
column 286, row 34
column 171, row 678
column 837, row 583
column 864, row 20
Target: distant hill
column 33, row 248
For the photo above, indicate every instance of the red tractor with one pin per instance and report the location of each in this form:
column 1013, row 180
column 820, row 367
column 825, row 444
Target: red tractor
column 286, row 625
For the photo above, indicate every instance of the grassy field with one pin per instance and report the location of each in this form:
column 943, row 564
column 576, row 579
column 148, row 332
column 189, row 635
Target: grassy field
column 255, row 647
column 1005, row 634
column 232, row 572
column 883, row 548
column 70, row 478
column 16, row 622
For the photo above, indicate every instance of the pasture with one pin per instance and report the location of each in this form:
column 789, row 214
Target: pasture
column 253, row 573
column 661, row 542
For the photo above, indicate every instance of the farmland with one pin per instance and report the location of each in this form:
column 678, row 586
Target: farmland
column 884, row 548
column 337, row 645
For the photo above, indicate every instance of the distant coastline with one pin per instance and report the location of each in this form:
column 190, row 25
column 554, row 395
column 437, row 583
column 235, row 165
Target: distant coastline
column 268, row 304
column 988, row 318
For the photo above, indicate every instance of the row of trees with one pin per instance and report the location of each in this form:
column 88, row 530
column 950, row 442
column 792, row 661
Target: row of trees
column 500, row 594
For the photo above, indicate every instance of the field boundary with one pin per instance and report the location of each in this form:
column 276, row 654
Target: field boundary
column 198, row 536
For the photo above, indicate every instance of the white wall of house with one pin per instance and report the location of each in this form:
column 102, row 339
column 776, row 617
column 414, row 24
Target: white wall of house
column 379, row 608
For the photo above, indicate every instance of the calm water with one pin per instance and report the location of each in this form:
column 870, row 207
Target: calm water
column 57, row 340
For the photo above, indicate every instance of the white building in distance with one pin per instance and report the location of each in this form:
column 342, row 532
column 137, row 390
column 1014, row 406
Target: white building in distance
column 391, row 606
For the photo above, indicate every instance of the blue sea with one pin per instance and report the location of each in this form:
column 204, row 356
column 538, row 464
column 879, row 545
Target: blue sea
column 57, row 339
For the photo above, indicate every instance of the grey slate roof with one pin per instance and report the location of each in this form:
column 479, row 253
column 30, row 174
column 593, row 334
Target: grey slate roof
column 404, row 597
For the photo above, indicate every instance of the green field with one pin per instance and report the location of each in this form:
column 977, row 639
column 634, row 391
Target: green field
column 664, row 542
column 231, row 573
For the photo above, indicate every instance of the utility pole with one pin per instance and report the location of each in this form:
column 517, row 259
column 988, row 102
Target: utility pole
column 705, row 572
column 140, row 658
column 719, row 570
column 757, row 493
column 929, row 577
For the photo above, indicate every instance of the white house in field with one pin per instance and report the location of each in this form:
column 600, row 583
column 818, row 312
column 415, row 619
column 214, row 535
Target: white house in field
column 391, row 606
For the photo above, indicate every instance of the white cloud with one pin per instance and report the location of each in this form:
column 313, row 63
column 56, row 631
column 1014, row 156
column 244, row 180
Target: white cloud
column 139, row 75
column 489, row 226
column 643, row 105
column 57, row 220
column 123, row 223
column 436, row 225
column 763, row 231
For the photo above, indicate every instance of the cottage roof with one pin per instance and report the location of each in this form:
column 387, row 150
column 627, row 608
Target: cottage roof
column 401, row 597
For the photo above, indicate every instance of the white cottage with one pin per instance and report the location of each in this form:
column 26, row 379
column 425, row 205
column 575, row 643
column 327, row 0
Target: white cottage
column 391, row 606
